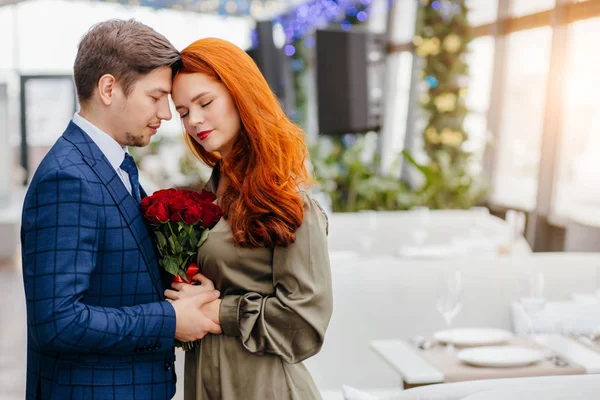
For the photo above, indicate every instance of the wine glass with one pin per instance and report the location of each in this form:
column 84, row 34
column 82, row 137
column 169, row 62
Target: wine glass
column 532, row 300
column 449, row 301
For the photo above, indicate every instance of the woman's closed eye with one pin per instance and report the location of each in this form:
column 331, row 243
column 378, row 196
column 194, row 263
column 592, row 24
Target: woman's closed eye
column 206, row 104
column 182, row 116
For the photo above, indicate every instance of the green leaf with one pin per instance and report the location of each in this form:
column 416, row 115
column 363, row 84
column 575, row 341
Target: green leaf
column 203, row 237
column 186, row 262
column 170, row 265
column 161, row 239
column 182, row 274
column 172, row 244
column 183, row 240
column 193, row 238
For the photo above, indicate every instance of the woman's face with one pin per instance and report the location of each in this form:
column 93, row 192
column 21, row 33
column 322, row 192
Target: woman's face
column 207, row 110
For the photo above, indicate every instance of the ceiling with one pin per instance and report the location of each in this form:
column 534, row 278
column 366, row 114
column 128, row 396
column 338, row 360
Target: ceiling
column 258, row 9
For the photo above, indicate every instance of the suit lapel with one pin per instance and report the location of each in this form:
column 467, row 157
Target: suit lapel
column 126, row 204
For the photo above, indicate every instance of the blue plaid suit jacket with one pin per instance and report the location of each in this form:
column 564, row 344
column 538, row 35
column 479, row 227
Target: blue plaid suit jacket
column 98, row 324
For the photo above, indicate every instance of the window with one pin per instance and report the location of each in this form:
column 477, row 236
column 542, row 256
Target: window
column 482, row 11
column 520, row 132
column 480, row 60
column 43, row 127
column 6, row 39
column 579, row 150
column 518, row 8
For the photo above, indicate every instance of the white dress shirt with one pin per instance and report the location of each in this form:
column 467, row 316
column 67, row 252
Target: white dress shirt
column 109, row 146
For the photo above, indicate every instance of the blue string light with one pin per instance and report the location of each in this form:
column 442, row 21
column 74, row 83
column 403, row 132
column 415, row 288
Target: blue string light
column 362, row 16
column 289, row 50
column 431, row 81
column 310, row 42
column 435, row 5
column 297, row 65
column 254, row 38
column 318, row 14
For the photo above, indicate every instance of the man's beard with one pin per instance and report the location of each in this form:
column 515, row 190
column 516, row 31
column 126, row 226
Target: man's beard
column 134, row 141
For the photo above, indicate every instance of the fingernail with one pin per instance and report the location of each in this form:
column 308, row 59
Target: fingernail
column 216, row 292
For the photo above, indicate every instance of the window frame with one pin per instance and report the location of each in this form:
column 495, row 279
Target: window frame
column 541, row 222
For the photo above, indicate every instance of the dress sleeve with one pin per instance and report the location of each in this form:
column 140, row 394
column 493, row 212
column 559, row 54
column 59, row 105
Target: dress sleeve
column 290, row 323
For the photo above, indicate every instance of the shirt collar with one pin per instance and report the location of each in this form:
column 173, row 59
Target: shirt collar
column 109, row 146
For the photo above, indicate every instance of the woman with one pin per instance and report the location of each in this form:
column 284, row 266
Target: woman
column 268, row 254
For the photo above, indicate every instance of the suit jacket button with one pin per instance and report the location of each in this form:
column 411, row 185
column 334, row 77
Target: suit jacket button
column 168, row 366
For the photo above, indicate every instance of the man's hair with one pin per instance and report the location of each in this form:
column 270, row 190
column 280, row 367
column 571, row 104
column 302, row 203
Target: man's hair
column 127, row 50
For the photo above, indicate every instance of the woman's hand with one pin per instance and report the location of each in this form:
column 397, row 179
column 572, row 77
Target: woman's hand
column 200, row 284
column 211, row 311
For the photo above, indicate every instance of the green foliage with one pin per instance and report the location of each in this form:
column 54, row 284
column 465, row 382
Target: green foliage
column 176, row 243
column 355, row 183
column 348, row 170
column 441, row 39
column 444, row 186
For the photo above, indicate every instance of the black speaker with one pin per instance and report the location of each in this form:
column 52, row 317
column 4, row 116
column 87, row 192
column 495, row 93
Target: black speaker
column 273, row 64
column 350, row 75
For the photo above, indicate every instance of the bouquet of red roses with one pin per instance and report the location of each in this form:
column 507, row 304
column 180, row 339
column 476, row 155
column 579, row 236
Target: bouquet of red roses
column 180, row 220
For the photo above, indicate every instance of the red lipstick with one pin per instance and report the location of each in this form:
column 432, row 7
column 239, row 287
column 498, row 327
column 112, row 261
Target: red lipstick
column 204, row 134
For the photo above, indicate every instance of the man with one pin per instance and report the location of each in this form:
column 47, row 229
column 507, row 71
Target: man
column 98, row 324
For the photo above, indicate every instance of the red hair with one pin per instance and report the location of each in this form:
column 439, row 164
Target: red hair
column 266, row 165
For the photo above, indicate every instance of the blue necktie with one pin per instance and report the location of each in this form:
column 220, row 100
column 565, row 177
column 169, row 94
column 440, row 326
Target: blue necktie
column 128, row 165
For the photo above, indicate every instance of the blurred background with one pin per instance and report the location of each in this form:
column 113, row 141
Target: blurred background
column 438, row 129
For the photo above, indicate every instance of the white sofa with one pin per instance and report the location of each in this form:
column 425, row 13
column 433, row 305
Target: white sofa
column 384, row 233
column 380, row 298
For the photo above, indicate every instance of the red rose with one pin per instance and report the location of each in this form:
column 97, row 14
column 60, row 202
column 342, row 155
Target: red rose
column 165, row 193
column 203, row 196
column 158, row 196
column 145, row 203
column 211, row 214
column 193, row 214
column 178, row 206
column 157, row 212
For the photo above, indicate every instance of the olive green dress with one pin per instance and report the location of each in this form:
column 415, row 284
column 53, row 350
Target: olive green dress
column 276, row 305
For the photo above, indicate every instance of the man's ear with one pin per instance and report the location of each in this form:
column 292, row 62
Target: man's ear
column 106, row 89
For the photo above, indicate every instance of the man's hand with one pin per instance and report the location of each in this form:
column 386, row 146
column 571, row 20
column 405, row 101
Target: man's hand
column 191, row 323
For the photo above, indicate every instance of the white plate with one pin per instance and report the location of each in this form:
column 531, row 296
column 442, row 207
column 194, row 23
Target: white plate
column 473, row 336
column 500, row 356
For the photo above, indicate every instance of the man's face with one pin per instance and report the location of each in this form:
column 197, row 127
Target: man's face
column 136, row 118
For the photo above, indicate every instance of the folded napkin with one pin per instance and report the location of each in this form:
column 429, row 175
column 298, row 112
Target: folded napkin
column 560, row 317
